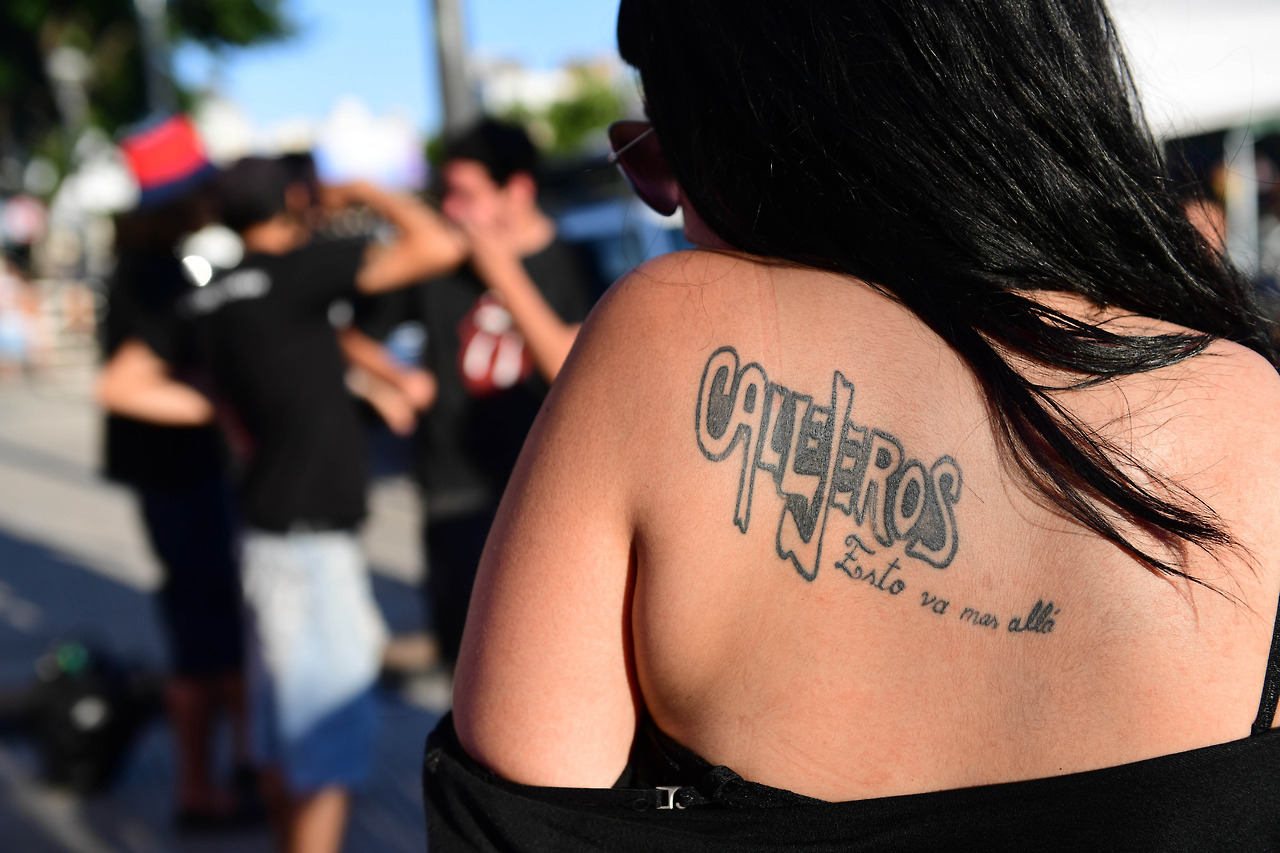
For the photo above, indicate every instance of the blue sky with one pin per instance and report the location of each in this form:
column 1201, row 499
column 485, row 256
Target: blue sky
column 383, row 52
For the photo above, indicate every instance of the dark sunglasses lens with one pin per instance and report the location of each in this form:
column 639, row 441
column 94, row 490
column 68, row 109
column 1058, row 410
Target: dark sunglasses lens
column 623, row 133
column 643, row 165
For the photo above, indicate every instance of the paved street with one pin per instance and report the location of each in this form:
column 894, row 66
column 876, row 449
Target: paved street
column 74, row 564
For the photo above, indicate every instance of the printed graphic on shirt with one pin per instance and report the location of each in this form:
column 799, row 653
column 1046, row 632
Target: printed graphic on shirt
column 492, row 356
column 242, row 284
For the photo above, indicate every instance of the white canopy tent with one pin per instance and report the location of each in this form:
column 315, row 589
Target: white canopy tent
column 1203, row 65
column 1210, row 65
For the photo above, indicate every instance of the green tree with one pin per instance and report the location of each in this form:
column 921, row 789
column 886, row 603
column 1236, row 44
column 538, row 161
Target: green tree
column 593, row 107
column 106, row 33
column 564, row 126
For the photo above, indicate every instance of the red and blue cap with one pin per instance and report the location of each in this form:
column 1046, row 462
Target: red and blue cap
column 167, row 158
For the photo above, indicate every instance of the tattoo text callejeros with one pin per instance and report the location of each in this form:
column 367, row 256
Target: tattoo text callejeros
column 846, row 490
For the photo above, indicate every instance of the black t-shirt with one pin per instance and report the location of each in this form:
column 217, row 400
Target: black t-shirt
column 141, row 302
column 266, row 337
column 1214, row 798
column 467, row 444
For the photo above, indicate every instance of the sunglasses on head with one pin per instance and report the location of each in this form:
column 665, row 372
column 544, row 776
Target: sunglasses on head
column 637, row 154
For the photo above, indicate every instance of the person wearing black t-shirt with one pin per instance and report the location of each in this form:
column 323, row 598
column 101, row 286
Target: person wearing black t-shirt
column 176, row 469
column 497, row 333
column 265, row 336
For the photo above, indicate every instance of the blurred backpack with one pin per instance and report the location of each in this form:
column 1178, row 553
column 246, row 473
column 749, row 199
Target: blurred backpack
column 84, row 711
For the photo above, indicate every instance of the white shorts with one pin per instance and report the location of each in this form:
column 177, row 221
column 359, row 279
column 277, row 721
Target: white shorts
column 315, row 649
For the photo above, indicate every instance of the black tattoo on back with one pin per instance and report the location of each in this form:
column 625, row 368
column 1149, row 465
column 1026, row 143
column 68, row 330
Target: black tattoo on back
column 838, row 481
column 820, row 460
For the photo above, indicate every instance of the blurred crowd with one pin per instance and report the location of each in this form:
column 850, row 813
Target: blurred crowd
column 239, row 394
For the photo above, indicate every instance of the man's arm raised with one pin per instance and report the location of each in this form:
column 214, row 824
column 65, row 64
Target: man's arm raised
column 425, row 244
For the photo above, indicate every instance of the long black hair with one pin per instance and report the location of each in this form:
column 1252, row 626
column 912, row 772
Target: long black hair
column 956, row 155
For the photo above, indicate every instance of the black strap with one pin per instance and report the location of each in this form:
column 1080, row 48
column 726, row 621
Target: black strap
column 1270, row 684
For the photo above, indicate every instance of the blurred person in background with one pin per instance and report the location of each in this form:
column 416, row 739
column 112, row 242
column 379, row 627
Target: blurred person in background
column 497, row 332
column 1210, row 219
column 176, row 466
column 24, row 334
column 930, row 502
column 267, row 338
column 1269, row 234
column 397, row 392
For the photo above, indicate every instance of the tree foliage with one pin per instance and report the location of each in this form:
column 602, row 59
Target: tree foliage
column 573, row 120
column 108, row 35
column 564, row 126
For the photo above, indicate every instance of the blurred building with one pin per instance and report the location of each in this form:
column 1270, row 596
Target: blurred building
column 1208, row 72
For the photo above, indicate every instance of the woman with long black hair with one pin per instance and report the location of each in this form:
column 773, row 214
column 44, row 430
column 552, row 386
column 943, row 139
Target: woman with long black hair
column 929, row 503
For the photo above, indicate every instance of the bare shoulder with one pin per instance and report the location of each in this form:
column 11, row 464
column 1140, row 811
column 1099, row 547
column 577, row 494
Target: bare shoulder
column 1243, row 377
column 670, row 306
column 1214, row 421
column 1224, row 395
column 1235, row 393
column 693, row 266
column 680, row 283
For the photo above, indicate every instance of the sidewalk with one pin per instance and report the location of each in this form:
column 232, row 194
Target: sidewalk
column 74, row 561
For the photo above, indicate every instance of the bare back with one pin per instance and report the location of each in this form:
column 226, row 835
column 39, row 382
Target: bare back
column 767, row 504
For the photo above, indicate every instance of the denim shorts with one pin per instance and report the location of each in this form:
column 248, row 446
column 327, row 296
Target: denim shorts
column 315, row 648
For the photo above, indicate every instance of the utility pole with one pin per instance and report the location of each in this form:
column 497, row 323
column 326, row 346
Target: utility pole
column 460, row 107
column 154, row 26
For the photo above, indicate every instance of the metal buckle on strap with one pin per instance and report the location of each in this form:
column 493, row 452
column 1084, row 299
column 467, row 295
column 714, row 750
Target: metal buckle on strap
column 671, row 796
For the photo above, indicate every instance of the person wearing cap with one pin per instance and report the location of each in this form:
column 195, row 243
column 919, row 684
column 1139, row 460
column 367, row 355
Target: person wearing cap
column 175, row 466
